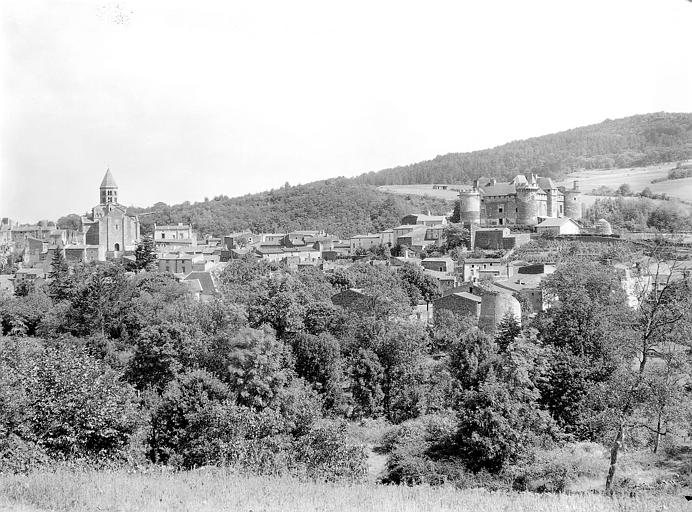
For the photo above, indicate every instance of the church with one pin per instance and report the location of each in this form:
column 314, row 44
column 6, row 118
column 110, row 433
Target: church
column 108, row 226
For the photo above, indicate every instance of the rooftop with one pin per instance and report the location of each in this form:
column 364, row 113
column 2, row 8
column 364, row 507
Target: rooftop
column 108, row 180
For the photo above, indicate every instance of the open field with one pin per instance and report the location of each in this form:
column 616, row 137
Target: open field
column 637, row 177
column 214, row 490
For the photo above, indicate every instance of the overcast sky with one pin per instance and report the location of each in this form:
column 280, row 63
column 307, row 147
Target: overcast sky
column 184, row 100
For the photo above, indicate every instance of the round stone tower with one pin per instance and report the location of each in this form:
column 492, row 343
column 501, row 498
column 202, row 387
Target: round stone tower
column 494, row 307
column 573, row 201
column 470, row 206
column 527, row 204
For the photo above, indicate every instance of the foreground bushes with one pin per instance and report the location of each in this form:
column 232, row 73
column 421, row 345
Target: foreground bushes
column 198, row 423
column 60, row 402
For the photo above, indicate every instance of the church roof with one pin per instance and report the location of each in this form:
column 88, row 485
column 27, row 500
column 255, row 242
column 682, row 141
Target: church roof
column 108, row 181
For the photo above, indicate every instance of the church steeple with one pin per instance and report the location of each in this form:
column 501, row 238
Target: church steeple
column 108, row 189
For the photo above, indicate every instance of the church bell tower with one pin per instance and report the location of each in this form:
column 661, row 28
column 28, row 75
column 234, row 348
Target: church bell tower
column 108, row 189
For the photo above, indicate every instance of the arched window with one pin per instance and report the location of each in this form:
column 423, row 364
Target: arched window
column 117, row 247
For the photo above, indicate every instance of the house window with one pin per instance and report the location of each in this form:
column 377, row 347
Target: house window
column 163, row 235
column 499, row 209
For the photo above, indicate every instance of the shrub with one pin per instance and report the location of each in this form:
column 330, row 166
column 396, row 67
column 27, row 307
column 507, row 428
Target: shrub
column 64, row 402
column 324, row 454
column 420, row 451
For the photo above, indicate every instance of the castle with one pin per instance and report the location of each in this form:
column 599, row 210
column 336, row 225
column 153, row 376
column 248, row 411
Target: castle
column 109, row 227
column 523, row 201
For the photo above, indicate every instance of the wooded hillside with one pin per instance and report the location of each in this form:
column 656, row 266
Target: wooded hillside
column 338, row 206
column 632, row 141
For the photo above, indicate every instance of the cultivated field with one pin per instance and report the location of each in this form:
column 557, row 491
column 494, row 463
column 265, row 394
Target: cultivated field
column 216, row 490
column 637, row 177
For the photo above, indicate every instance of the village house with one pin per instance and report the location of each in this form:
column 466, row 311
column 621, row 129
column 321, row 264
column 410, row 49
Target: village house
column 364, row 242
column 559, row 226
column 493, row 239
column 424, row 220
column 179, row 263
column 442, row 264
column 474, row 269
column 174, row 235
column 459, row 304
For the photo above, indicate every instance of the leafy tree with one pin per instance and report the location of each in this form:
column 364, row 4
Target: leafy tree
column 318, row 361
column 75, row 406
column 500, row 420
column 71, row 222
column 145, row 255
column 456, row 236
column 366, row 384
column 60, row 286
column 159, row 356
column 401, row 352
column 260, row 367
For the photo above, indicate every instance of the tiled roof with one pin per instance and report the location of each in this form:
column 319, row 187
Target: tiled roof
column 546, row 183
column 468, row 296
column 555, row 222
column 499, row 189
column 108, row 180
column 205, row 279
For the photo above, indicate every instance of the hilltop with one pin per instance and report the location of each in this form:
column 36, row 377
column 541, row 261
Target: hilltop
column 338, row 206
column 347, row 206
column 634, row 141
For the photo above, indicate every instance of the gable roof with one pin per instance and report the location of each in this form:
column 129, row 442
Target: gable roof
column 556, row 222
column 108, row 180
column 205, row 279
column 499, row 189
column 468, row 296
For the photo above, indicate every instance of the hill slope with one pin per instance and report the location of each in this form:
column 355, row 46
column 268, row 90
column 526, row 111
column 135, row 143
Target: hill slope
column 339, row 206
column 629, row 142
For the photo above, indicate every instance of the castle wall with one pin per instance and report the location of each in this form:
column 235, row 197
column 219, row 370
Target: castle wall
column 499, row 210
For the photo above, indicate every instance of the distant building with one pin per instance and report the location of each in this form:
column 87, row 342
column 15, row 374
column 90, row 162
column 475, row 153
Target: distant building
column 525, row 200
column 444, row 264
column 459, row 304
column 109, row 226
column 559, row 226
column 174, row 235
column 424, row 220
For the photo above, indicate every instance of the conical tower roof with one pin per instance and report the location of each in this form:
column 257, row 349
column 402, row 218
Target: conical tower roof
column 108, row 181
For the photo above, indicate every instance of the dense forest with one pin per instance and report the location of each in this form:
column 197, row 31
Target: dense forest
column 629, row 142
column 338, row 206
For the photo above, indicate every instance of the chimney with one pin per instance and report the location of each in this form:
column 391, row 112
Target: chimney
column 576, row 184
column 493, row 181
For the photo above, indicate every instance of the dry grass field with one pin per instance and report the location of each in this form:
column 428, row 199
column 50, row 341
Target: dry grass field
column 637, row 177
column 217, row 490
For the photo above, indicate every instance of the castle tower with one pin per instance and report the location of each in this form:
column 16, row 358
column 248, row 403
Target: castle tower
column 527, row 203
column 108, row 189
column 470, row 206
column 573, row 202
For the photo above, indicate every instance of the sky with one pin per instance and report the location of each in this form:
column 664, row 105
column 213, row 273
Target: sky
column 185, row 100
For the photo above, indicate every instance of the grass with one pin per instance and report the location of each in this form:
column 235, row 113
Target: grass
column 638, row 178
column 215, row 490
